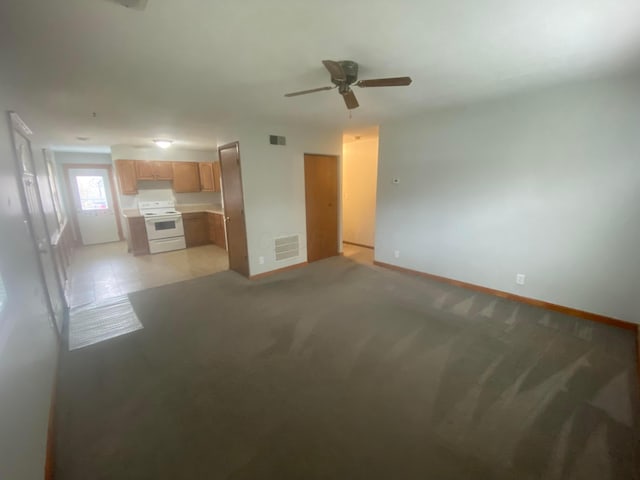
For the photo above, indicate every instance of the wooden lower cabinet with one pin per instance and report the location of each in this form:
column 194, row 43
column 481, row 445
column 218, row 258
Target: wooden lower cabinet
column 138, row 242
column 200, row 228
column 196, row 231
column 217, row 234
column 211, row 227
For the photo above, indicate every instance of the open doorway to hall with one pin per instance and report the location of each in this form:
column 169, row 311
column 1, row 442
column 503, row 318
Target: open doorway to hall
column 359, row 183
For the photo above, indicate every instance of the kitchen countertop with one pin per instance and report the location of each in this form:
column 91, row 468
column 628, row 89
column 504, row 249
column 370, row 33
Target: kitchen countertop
column 200, row 207
column 184, row 208
column 131, row 213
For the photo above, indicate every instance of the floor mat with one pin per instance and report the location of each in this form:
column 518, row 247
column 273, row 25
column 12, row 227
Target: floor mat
column 100, row 321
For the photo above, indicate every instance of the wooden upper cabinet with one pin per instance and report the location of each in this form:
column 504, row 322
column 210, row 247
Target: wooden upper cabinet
column 153, row 170
column 186, row 177
column 144, row 170
column 127, row 179
column 217, row 184
column 207, row 183
column 163, row 170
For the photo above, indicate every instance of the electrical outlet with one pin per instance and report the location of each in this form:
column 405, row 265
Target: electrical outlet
column 520, row 278
column 261, row 260
column 396, row 253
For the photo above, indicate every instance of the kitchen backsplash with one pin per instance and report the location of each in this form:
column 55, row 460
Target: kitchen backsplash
column 161, row 190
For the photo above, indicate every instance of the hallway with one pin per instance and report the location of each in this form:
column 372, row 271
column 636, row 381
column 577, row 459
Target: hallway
column 358, row 254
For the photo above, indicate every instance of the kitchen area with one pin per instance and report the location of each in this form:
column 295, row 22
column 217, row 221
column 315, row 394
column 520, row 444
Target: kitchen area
column 169, row 211
column 177, row 205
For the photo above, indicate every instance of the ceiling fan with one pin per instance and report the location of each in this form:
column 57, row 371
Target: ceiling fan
column 344, row 74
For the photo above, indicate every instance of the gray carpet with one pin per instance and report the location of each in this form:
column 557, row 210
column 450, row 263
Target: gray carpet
column 344, row 371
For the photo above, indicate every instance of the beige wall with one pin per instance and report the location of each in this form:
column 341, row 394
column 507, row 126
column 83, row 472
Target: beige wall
column 359, row 177
column 274, row 188
column 28, row 342
column 543, row 183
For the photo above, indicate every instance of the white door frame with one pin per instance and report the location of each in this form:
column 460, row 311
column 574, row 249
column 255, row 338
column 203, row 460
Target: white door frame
column 22, row 169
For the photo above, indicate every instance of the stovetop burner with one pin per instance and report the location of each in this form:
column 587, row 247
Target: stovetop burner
column 166, row 212
column 158, row 208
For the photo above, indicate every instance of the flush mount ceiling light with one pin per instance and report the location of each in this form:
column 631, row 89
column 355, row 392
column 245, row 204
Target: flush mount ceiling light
column 132, row 4
column 163, row 143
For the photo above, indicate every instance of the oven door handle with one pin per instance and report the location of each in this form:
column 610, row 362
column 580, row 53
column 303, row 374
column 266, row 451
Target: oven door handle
column 163, row 240
column 153, row 221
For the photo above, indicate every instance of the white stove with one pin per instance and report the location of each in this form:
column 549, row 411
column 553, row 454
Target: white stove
column 164, row 226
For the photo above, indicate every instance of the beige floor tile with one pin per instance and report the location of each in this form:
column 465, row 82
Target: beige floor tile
column 104, row 271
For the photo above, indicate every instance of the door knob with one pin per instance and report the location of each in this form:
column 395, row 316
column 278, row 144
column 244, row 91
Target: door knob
column 227, row 219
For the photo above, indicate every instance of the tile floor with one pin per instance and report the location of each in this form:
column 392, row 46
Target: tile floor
column 104, row 271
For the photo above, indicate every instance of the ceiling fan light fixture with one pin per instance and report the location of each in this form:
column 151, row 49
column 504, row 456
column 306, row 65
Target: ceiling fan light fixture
column 162, row 143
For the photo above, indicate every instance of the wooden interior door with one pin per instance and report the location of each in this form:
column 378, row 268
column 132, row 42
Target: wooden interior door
column 321, row 193
column 234, row 208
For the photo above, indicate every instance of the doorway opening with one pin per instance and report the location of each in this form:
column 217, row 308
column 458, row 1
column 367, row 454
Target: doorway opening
column 359, row 186
column 36, row 221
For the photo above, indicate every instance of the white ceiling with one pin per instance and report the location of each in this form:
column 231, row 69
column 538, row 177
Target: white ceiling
column 182, row 69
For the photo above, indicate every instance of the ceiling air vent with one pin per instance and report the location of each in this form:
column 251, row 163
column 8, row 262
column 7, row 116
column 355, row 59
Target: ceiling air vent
column 287, row 247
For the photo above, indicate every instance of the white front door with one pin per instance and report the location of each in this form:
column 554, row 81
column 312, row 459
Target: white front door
column 93, row 203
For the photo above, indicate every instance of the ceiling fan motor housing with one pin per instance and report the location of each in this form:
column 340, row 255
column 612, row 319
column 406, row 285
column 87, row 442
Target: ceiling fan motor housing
column 350, row 70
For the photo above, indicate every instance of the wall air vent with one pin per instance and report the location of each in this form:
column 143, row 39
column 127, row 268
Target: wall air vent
column 287, row 247
column 277, row 140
